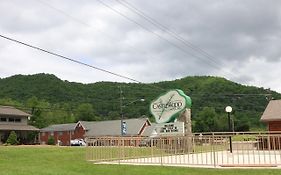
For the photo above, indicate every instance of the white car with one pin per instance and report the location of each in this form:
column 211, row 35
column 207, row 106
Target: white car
column 77, row 142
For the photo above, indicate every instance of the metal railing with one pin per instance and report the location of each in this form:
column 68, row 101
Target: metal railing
column 205, row 149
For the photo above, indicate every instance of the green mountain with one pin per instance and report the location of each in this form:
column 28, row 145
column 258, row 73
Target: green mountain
column 52, row 100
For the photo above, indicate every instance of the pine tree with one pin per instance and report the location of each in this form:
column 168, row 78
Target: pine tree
column 12, row 139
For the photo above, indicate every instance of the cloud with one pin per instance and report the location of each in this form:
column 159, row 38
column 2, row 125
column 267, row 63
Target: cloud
column 243, row 38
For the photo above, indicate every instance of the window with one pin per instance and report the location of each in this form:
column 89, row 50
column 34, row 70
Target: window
column 52, row 133
column 3, row 119
column 13, row 119
column 17, row 120
column 60, row 133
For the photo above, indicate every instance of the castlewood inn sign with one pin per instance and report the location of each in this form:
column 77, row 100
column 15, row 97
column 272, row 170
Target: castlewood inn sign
column 167, row 107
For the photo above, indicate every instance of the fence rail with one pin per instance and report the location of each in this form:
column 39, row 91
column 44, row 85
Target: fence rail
column 208, row 149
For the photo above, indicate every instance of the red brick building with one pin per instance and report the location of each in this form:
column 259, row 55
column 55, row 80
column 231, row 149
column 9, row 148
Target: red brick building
column 272, row 115
column 64, row 133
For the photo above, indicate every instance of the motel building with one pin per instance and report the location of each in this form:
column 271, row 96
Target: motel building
column 64, row 133
column 272, row 116
column 12, row 119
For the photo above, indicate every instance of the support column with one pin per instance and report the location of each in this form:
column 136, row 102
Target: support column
column 186, row 118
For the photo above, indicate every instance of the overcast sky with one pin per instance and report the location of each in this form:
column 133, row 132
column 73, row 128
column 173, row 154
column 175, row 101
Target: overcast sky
column 238, row 40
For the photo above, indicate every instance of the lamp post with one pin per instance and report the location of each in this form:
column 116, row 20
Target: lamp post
column 228, row 109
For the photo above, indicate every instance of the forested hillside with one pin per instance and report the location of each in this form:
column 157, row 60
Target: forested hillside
column 52, row 100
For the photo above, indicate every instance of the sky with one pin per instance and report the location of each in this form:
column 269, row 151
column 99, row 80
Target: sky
column 149, row 41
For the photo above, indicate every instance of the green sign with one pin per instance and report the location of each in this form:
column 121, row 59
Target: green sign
column 167, row 107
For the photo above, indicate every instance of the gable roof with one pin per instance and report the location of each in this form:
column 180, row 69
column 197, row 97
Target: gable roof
column 9, row 110
column 113, row 127
column 60, row 127
column 150, row 131
column 103, row 128
column 272, row 111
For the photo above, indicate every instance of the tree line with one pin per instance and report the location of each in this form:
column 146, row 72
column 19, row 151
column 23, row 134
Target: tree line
column 54, row 101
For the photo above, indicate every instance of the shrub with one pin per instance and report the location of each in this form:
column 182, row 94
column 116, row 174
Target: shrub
column 12, row 139
column 51, row 140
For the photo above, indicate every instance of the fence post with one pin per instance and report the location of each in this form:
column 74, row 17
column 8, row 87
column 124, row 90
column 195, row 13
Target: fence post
column 119, row 150
column 213, row 149
column 161, row 151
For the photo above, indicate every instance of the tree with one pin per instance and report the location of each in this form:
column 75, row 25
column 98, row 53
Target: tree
column 208, row 121
column 51, row 140
column 12, row 139
column 85, row 112
column 113, row 115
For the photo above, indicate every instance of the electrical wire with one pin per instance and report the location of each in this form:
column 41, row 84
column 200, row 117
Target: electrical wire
column 164, row 28
column 213, row 64
column 67, row 58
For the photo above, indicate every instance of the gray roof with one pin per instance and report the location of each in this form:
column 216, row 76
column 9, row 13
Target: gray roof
column 149, row 130
column 272, row 111
column 113, row 127
column 60, row 127
column 9, row 110
column 18, row 128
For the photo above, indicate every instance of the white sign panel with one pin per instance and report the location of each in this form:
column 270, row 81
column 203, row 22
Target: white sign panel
column 168, row 106
column 170, row 129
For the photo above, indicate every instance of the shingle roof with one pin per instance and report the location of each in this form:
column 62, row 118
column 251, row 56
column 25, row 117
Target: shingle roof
column 272, row 111
column 18, row 127
column 9, row 110
column 150, row 130
column 60, row 127
column 113, row 127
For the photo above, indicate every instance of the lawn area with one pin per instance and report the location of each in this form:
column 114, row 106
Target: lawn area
column 39, row 160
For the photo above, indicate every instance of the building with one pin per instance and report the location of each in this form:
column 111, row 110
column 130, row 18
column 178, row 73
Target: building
column 64, row 133
column 12, row 119
column 272, row 115
column 112, row 128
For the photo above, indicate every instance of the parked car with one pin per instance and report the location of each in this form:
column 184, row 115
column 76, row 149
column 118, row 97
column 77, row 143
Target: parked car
column 77, row 142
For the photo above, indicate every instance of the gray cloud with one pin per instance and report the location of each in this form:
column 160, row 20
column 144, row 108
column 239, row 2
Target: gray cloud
column 243, row 38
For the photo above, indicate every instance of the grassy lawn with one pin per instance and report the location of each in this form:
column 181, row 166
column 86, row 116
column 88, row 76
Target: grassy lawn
column 39, row 160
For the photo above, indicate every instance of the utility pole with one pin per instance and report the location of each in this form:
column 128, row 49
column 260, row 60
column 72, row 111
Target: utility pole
column 121, row 110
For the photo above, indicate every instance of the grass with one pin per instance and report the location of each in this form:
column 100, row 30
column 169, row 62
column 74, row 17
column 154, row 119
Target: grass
column 113, row 153
column 37, row 160
column 107, row 153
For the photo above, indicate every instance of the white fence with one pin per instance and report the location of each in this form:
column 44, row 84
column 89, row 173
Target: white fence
column 206, row 149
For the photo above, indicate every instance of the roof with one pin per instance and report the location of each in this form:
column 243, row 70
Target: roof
column 18, row 127
column 272, row 111
column 150, row 130
column 9, row 110
column 113, row 127
column 60, row 127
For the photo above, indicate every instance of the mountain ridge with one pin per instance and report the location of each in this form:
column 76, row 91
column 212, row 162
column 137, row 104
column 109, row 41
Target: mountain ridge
column 209, row 95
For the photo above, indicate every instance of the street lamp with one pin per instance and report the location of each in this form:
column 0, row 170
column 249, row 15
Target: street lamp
column 123, row 123
column 228, row 109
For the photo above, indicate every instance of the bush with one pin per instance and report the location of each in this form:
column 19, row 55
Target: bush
column 12, row 139
column 51, row 140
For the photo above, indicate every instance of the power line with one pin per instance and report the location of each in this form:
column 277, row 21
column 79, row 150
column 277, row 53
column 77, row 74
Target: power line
column 67, row 58
column 164, row 28
column 229, row 95
column 169, row 31
column 214, row 65
column 139, row 13
column 88, row 25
